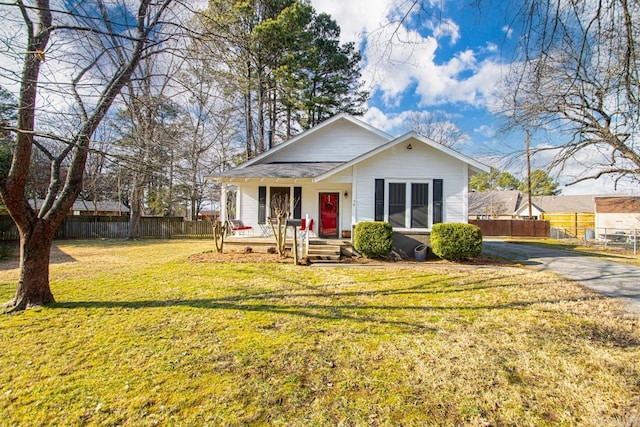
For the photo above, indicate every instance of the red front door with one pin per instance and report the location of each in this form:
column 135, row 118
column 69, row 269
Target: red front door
column 329, row 214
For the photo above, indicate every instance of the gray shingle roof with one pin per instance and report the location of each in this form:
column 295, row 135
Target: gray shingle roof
column 88, row 206
column 560, row 204
column 493, row 202
column 280, row 170
column 511, row 202
column 83, row 205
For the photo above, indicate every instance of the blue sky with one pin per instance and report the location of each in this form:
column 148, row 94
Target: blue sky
column 451, row 60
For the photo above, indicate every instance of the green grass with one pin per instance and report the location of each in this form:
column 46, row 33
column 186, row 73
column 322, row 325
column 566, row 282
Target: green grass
column 140, row 335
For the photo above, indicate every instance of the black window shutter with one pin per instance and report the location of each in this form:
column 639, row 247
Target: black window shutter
column 437, row 201
column 397, row 204
column 262, row 205
column 379, row 200
column 297, row 202
column 419, row 205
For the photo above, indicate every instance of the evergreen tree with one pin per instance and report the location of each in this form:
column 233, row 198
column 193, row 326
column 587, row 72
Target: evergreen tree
column 494, row 181
column 287, row 62
column 541, row 184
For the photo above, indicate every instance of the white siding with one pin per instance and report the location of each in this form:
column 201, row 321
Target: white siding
column 248, row 202
column 344, row 177
column 340, row 142
column 623, row 221
column 248, row 205
column 420, row 163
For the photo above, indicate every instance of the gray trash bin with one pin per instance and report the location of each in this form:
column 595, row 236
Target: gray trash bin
column 420, row 252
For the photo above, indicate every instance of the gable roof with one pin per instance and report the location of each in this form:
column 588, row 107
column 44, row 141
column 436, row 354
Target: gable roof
column 412, row 135
column 261, row 158
column 494, row 202
column 561, row 203
column 297, row 170
column 88, row 206
column 266, row 166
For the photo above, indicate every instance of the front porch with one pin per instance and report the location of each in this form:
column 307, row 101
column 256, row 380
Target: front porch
column 320, row 250
column 404, row 244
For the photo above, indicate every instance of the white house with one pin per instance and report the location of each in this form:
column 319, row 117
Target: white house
column 494, row 204
column 344, row 171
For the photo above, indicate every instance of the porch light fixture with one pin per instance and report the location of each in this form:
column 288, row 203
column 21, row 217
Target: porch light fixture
column 409, row 147
column 346, row 194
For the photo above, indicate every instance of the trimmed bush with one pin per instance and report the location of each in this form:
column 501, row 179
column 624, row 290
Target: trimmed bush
column 455, row 241
column 373, row 239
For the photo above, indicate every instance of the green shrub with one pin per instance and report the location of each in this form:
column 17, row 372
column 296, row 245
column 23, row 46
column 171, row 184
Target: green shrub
column 373, row 239
column 456, row 242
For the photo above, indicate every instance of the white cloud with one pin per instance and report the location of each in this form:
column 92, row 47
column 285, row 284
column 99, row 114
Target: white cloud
column 355, row 17
column 398, row 59
column 508, row 31
column 392, row 123
column 486, row 131
column 447, row 28
column 434, row 122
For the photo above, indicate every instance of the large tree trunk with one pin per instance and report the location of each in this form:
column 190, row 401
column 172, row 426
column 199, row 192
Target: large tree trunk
column 37, row 229
column 35, row 250
column 248, row 119
column 137, row 192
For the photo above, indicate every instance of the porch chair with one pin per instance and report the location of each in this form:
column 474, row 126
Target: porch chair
column 238, row 228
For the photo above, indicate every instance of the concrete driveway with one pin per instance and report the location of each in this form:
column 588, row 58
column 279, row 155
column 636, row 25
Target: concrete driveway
column 607, row 277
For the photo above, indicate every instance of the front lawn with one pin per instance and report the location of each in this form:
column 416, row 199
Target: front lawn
column 142, row 335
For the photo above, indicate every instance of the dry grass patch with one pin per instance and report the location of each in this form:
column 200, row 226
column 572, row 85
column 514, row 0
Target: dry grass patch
column 141, row 335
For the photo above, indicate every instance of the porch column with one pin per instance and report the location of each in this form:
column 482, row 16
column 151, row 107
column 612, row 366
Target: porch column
column 354, row 198
column 223, row 202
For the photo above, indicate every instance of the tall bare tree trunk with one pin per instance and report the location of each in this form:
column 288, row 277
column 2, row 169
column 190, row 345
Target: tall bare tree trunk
column 37, row 228
column 35, row 248
column 137, row 193
column 248, row 119
column 261, row 108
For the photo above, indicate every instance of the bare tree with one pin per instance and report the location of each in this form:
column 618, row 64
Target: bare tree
column 210, row 137
column 281, row 209
column 575, row 76
column 149, row 137
column 91, row 50
column 436, row 125
column 579, row 76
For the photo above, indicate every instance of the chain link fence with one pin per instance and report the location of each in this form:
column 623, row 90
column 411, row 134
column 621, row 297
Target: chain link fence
column 624, row 239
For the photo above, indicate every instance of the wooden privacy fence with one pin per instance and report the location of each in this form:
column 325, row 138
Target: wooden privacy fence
column 109, row 227
column 573, row 224
column 512, row 227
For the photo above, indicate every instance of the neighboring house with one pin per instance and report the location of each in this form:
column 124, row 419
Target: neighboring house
column 617, row 213
column 515, row 205
column 344, row 171
column 208, row 215
column 83, row 207
column 493, row 204
column 554, row 204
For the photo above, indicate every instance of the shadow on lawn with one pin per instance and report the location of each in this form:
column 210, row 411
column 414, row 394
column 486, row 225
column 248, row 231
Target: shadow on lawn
column 345, row 312
column 12, row 261
column 332, row 307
